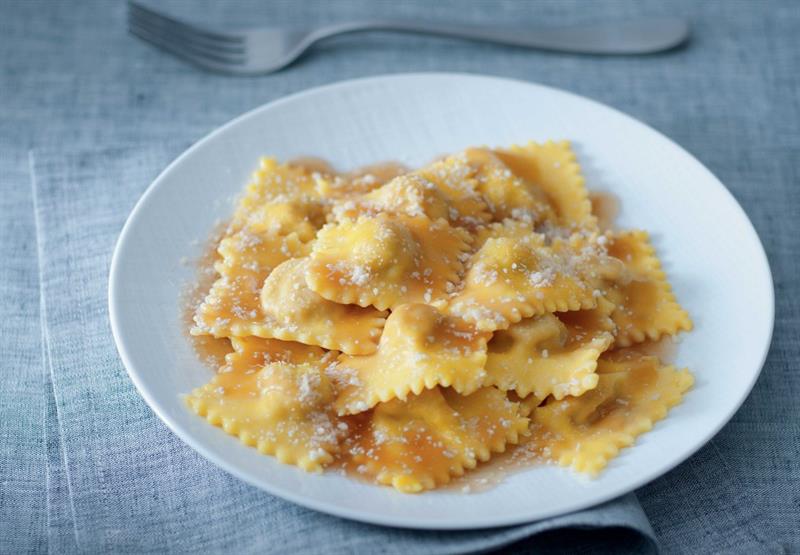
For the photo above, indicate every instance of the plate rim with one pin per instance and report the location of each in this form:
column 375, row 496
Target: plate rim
column 375, row 518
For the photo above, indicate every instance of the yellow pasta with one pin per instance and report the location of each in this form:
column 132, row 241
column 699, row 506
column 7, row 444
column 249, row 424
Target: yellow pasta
column 410, row 194
column 294, row 312
column 455, row 177
column 386, row 261
column 278, row 218
column 407, row 324
column 282, row 408
column 646, row 306
column 254, row 352
column 420, row 348
column 421, row 443
column 274, row 182
column 232, row 306
column 275, row 220
column 553, row 169
column 507, row 195
column 633, row 392
column 512, row 279
column 341, row 188
column 550, row 355
column 510, row 229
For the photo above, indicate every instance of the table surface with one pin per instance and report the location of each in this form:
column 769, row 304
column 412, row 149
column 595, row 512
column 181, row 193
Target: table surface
column 71, row 75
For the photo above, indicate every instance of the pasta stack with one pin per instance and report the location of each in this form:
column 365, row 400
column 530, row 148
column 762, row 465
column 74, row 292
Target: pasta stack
column 410, row 327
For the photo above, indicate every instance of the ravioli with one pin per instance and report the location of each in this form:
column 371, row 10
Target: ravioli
column 553, row 169
column 232, row 306
column 508, row 195
column 421, row 443
column 410, row 195
column 294, row 312
column 280, row 218
column 456, row 179
column 250, row 353
column 646, row 306
column 341, row 188
column 552, row 354
column 386, row 261
column 509, row 229
column 633, row 392
column 273, row 182
column 420, row 348
column 275, row 220
column 443, row 190
column 511, row 279
column 281, row 408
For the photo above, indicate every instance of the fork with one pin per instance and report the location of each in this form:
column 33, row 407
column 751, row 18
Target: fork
column 268, row 49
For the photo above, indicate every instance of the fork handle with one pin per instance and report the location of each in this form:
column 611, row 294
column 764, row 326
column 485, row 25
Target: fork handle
column 642, row 36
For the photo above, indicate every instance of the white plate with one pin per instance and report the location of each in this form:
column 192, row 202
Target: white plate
column 709, row 248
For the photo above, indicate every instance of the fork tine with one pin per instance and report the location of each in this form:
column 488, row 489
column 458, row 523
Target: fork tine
column 185, row 34
column 179, row 49
column 179, row 43
column 180, row 40
column 217, row 39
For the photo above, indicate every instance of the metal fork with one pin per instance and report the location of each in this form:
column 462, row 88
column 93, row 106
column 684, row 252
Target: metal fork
column 267, row 49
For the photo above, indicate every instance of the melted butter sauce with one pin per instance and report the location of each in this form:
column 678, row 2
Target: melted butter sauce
column 500, row 467
column 344, row 461
column 210, row 350
column 605, row 206
column 664, row 349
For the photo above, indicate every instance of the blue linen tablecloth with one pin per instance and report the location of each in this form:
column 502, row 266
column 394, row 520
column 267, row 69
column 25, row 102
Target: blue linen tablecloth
column 89, row 116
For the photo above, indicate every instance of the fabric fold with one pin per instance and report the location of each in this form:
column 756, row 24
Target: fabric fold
column 60, row 512
column 22, row 453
